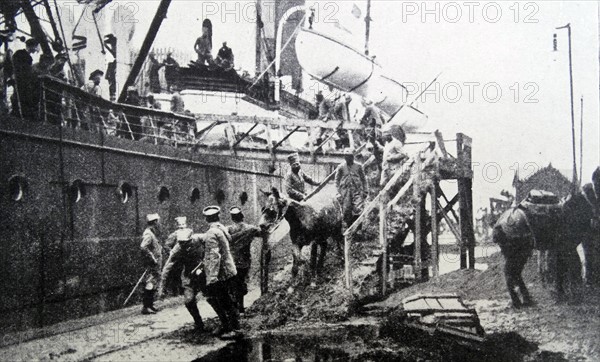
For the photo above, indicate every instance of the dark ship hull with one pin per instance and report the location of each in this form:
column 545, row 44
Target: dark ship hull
column 73, row 208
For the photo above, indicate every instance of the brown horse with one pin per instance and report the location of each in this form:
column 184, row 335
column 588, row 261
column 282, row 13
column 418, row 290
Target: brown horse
column 312, row 222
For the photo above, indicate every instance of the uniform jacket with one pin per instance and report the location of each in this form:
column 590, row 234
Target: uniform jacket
column 350, row 178
column 184, row 256
column 218, row 261
column 294, row 184
column 151, row 255
column 151, row 250
column 393, row 157
column 242, row 235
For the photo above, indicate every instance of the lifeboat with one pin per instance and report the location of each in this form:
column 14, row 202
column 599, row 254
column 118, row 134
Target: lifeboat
column 334, row 62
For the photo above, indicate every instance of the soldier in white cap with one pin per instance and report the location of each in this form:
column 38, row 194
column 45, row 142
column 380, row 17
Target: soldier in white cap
column 181, row 223
column 295, row 179
column 242, row 235
column 152, row 259
column 220, row 272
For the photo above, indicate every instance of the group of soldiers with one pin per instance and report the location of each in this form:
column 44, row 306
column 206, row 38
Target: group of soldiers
column 355, row 180
column 215, row 263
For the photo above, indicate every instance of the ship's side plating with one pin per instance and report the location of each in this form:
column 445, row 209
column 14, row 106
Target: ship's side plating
column 73, row 208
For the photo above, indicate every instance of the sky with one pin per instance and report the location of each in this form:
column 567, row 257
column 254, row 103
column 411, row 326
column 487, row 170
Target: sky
column 501, row 83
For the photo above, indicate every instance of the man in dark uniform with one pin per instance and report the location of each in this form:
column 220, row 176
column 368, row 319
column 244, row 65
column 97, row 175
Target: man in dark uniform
column 171, row 71
column 295, row 179
column 25, row 95
column 225, row 57
column 187, row 255
column 152, row 260
column 220, row 272
column 242, row 235
column 351, row 185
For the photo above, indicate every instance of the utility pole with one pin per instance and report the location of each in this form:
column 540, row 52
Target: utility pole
column 568, row 27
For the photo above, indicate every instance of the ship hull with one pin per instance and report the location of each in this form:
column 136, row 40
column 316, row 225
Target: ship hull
column 64, row 259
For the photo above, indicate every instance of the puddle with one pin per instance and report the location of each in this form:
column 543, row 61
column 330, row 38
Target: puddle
column 391, row 342
column 339, row 344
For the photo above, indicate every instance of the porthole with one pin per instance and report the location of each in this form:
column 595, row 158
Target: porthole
column 220, row 196
column 244, row 198
column 195, row 196
column 126, row 192
column 17, row 186
column 163, row 194
column 76, row 191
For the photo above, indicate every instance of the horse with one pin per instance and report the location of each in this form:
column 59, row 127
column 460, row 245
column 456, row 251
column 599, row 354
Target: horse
column 582, row 224
column 312, row 222
column 528, row 226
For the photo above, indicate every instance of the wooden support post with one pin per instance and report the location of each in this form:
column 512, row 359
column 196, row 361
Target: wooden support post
column 435, row 264
column 418, row 236
column 465, row 202
column 384, row 243
column 348, row 265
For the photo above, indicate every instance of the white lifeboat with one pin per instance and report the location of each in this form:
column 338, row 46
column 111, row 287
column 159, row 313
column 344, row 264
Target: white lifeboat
column 342, row 66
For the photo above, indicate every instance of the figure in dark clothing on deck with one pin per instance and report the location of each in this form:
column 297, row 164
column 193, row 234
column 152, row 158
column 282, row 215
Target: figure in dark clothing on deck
column 171, row 71
column 225, row 57
column 153, row 69
column 24, row 98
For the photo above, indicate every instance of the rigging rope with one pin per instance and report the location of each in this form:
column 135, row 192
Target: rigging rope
column 282, row 48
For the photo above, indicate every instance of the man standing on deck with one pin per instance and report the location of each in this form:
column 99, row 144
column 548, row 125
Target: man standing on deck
column 220, row 272
column 242, row 235
column 295, row 179
column 23, row 99
column 152, row 260
column 352, row 188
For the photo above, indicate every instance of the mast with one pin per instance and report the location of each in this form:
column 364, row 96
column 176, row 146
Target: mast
column 581, row 143
column 367, row 27
column 161, row 13
column 259, row 26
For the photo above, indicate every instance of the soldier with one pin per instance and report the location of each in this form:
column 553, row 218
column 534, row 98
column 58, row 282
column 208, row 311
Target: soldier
column 220, row 272
column 181, row 223
column 295, row 178
column 152, row 260
column 187, row 255
column 242, row 235
column 352, row 188
column 393, row 153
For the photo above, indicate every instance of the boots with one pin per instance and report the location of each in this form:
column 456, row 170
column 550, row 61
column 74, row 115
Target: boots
column 193, row 309
column 220, row 311
column 147, row 302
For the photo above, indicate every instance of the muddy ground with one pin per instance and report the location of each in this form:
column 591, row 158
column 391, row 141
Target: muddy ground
column 550, row 330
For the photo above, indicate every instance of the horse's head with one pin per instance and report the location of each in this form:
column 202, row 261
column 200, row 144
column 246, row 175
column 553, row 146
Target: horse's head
column 273, row 210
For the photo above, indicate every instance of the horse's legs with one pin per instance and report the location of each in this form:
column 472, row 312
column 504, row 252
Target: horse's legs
column 322, row 252
column 313, row 258
column 510, row 274
column 297, row 255
column 519, row 279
